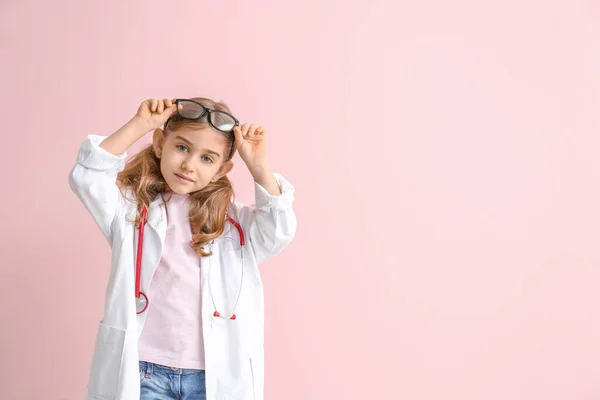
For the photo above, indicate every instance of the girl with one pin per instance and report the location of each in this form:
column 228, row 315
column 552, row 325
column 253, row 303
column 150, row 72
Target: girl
column 183, row 317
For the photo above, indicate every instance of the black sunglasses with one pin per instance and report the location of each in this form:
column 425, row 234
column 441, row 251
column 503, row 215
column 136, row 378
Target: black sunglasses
column 220, row 120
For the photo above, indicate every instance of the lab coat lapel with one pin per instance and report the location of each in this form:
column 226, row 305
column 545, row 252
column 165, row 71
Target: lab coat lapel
column 157, row 218
column 154, row 239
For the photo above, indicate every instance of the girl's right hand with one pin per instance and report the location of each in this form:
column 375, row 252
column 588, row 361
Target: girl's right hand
column 153, row 113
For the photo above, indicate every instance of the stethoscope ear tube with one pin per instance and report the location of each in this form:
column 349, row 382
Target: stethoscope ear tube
column 233, row 315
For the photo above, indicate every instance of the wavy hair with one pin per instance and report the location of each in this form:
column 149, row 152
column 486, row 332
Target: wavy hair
column 208, row 206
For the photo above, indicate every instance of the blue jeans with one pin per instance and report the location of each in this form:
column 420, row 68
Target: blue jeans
column 159, row 382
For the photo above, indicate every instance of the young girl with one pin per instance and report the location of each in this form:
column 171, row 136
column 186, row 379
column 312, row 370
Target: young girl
column 183, row 317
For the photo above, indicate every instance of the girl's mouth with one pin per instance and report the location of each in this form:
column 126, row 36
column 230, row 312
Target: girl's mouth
column 183, row 178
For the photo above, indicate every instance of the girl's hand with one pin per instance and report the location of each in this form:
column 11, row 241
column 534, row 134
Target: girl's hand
column 250, row 142
column 153, row 113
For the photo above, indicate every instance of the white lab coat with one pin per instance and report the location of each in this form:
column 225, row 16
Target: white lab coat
column 234, row 350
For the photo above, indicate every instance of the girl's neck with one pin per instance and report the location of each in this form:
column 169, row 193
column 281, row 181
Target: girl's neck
column 166, row 196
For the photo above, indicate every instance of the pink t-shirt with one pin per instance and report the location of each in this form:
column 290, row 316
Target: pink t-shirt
column 172, row 334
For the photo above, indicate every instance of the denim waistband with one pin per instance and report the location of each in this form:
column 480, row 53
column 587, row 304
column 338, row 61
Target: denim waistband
column 150, row 368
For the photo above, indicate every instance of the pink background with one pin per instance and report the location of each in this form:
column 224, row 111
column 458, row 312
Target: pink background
column 445, row 156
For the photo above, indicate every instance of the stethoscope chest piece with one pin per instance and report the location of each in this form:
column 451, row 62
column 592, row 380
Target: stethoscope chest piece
column 141, row 303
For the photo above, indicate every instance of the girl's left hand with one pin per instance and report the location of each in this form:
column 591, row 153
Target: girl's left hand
column 250, row 142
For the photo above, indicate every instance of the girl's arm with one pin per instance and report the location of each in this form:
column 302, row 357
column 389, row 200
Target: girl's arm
column 101, row 158
column 269, row 224
column 93, row 180
column 263, row 175
column 150, row 115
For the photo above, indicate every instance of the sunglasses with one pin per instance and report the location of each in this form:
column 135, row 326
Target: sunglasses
column 192, row 110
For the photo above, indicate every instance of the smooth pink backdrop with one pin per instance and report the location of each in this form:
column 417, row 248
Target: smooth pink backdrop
column 445, row 156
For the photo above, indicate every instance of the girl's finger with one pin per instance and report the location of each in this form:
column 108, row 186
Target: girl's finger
column 252, row 129
column 238, row 137
column 172, row 109
column 260, row 131
column 168, row 102
column 145, row 105
column 153, row 104
column 245, row 128
column 161, row 107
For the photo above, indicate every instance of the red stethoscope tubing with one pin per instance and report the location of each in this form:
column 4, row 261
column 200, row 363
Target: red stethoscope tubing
column 138, row 262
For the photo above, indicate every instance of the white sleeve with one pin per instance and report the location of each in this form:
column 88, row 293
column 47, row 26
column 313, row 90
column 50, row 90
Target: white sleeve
column 93, row 179
column 270, row 224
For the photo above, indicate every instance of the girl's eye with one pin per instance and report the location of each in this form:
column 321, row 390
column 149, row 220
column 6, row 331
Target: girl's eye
column 182, row 147
column 207, row 159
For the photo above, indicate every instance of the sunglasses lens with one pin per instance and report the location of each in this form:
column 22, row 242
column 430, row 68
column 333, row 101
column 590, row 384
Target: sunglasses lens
column 189, row 109
column 223, row 122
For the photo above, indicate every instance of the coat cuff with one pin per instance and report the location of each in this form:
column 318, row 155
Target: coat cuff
column 92, row 156
column 265, row 201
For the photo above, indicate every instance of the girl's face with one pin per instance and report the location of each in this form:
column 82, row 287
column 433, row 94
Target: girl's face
column 191, row 159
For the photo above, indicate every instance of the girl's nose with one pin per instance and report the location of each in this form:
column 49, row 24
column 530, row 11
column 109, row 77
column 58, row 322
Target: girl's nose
column 187, row 165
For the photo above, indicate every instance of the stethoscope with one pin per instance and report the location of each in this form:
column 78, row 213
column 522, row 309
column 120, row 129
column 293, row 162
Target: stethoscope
column 141, row 300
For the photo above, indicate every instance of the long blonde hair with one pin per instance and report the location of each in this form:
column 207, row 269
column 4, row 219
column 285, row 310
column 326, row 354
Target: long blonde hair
column 208, row 206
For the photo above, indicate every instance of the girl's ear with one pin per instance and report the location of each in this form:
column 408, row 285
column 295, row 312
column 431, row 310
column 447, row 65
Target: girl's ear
column 158, row 141
column 223, row 170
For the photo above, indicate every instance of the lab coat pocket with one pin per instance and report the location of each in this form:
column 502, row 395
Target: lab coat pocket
column 257, row 363
column 106, row 365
